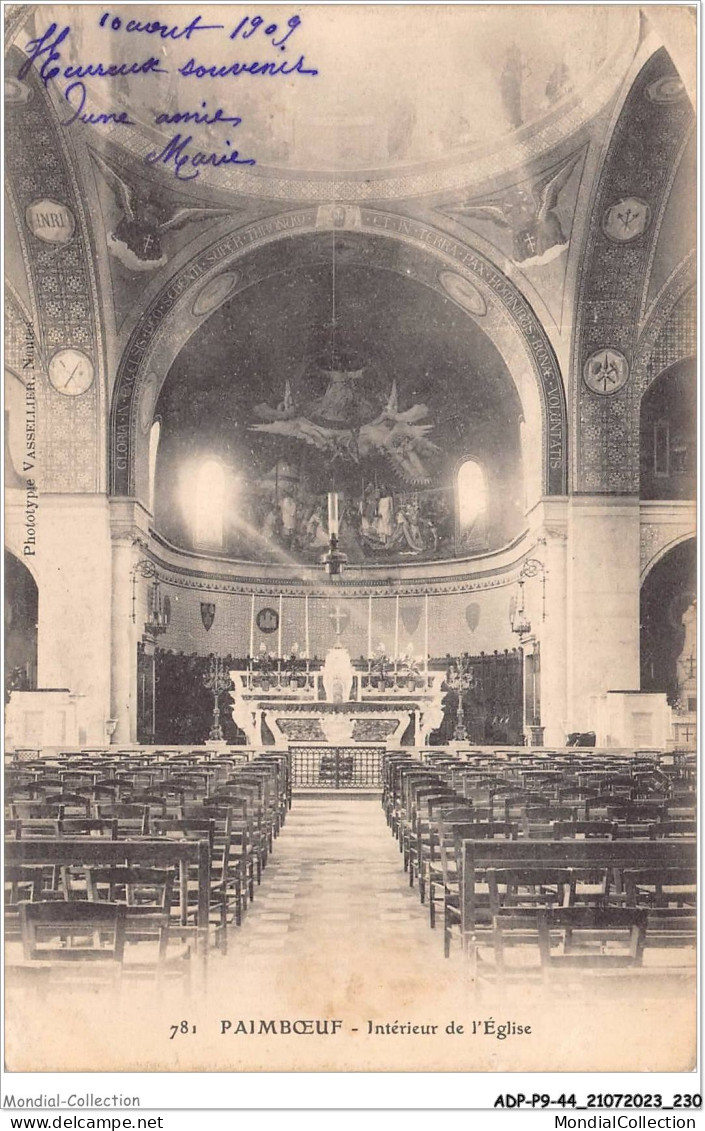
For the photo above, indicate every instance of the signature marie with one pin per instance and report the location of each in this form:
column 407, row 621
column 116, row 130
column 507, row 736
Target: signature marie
column 178, row 154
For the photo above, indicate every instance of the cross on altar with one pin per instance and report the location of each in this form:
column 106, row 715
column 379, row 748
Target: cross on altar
column 339, row 618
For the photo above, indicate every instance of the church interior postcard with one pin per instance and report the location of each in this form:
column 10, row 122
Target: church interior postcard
column 350, row 541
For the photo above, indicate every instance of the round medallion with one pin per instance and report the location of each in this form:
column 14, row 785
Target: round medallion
column 606, row 372
column 669, row 88
column 16, row 91
column 214, row 293
column 267, row 620
column 50, row 221
column 148, row 399
column 71, row 372
column 626, row 219
column 463, row 292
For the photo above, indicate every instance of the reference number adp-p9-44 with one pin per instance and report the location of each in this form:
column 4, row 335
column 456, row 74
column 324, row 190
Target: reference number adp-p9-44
column 599, row 1100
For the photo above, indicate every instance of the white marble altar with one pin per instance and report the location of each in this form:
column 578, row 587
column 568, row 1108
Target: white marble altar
column 343, row 704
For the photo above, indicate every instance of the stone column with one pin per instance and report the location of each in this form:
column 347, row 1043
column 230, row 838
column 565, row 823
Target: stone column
column 72, row 568
column 603, row 602
column 128, row 528
column 548, row 523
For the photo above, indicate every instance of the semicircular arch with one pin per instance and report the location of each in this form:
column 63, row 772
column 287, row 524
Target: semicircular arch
column 454, row 268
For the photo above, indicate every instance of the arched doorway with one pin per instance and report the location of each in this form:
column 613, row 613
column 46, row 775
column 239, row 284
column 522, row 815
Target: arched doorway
column 668, row 434
column 21, row 619
column 668, row 626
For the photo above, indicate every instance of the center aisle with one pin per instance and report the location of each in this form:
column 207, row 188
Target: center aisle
column 335, row 921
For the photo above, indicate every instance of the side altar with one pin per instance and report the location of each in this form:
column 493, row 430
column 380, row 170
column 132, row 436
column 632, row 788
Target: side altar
column 343, row 704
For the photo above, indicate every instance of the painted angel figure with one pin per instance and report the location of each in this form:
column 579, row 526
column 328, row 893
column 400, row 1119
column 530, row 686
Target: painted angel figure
column 531, row 217
column 137, row 238
column 400, row 439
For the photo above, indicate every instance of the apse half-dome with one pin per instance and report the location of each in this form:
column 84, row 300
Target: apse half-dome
column 347, row 378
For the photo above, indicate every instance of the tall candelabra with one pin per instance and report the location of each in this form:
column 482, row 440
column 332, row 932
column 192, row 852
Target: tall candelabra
column 460, row 678
column 217, row 680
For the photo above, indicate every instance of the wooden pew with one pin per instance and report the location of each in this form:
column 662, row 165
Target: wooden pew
column 478, row 855
column 101, row 852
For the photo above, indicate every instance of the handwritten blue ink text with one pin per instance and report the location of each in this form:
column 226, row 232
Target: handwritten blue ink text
column 154, row 27
column 192, row 69
column 199, row 117
column 176, row 152
column 46, row 46
column 75, row 95
column 271, row 29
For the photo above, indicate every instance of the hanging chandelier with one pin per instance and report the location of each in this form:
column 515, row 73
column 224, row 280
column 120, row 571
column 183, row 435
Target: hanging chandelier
column 334, row 559
column 157, row 616
column 518, row 618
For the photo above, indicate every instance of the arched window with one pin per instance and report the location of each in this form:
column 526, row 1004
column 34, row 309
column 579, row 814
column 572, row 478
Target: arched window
column 153, row 448
column 209, row 505
column 472, row 494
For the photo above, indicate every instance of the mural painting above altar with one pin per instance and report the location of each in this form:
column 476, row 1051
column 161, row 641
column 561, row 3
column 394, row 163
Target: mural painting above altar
column 356, row 393
column 381, row 459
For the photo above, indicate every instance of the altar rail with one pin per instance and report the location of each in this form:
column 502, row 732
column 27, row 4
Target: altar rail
column 423, row 753
column 337, row 767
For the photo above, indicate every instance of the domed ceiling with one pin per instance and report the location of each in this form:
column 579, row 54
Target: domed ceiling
column 347, row 377
column 501, row 83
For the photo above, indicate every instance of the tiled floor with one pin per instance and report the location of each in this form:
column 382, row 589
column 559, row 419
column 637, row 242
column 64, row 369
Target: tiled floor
column 335, row 890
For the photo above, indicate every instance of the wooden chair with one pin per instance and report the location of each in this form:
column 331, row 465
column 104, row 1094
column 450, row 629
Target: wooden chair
column 452, row 837
column 416, row 831
column 158, row 802
column 670, row 897
column 200, row 829
column 674, row 828
column 37, row 818
column 579, row 941
column 583, row 830
column 147, row 895
column 132, row 820
column 72, row 804
column 660, row 887
column 430, row 872
column 234, row 833
column 515, row 897
column 25, row 883
column 78, row 941
column 89, row 826
column 248, row 799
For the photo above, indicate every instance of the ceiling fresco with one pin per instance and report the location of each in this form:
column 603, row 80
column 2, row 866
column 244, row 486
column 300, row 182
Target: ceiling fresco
column 488, row 74
column 357, row 380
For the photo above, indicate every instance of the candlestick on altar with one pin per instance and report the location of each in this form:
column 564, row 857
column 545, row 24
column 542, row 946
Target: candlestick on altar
column 308, row 653
column 217, row 680
column 425, row 637
column 279, row 634
column 396, row 631
column 369, row 626
column 252, row 626
column 332, row 514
